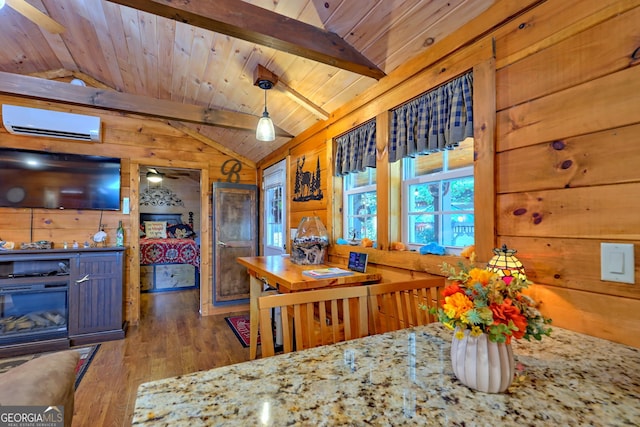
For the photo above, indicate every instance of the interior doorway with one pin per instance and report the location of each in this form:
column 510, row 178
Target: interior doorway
column 137, row 171
column 170, row 229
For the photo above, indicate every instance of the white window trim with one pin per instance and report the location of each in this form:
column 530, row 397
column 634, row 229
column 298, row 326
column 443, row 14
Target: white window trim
column 423, row 179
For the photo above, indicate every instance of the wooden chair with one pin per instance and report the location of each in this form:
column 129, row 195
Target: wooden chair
column 319, row 317
column 398, row 305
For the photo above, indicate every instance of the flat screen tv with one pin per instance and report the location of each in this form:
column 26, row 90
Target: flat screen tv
column 38, row 179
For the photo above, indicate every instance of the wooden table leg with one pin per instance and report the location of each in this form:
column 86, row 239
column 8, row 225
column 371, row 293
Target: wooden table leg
column 255, row 290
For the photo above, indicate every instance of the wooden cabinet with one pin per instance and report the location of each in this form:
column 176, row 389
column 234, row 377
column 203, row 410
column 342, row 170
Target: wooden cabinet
column 81, row 287
column 95, row 297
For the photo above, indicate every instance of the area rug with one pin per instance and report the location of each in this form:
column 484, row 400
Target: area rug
column 240, row 326
column 86, row 356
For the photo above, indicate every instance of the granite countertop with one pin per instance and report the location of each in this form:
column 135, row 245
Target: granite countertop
column 568, row 379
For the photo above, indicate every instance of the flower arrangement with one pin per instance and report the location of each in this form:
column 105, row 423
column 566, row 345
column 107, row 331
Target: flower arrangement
column 482, row 301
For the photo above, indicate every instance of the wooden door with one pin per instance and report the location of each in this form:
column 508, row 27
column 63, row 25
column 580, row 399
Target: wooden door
column 235, row 234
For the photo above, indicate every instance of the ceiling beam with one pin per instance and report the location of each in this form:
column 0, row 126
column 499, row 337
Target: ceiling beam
column 263, row 73
column 33, row 87
column 34, row 14
column 245, row 21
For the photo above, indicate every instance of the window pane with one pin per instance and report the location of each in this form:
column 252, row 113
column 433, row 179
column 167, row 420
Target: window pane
column 422, row 229
column 422, row 197
column 361, row 215
column 427, row 164
column 459, row 194
column 275, row 232
column 459, row 231
column 360, row 179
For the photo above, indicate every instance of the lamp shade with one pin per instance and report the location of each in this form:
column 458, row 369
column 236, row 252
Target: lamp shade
column 506, row 265
column 265, row 130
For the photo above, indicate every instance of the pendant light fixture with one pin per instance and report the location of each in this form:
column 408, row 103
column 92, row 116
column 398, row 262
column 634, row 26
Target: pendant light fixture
column 265, row 130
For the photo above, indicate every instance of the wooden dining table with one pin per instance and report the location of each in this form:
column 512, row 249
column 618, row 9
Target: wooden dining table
column 280, row 273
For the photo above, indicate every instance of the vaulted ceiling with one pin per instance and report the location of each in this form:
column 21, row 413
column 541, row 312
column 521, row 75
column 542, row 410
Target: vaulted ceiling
column 193, row 63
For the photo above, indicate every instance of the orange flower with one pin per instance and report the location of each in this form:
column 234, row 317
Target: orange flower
column 505, row 312
column 457, row 305
column 479, row 275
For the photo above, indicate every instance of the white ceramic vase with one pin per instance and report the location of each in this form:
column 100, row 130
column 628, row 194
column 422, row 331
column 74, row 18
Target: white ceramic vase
column 481, row 364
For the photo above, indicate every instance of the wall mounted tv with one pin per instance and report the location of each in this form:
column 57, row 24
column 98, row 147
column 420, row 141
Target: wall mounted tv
column 38, row 179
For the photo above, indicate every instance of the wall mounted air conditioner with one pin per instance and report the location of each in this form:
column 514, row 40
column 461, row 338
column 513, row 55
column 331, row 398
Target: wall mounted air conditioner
column 54, row 124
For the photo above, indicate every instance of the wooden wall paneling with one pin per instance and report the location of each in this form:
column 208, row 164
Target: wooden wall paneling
column 561, row 64
column 606, row 316
column 312, row 151
column 132, row 255
column 570, row 263
column 332, row 194
column 606, row 157
column 601, row 212
column 604, row 103
column 387, row 201
column 550, row 23
column 484, row 106
column 136, row 141
column 206, row 271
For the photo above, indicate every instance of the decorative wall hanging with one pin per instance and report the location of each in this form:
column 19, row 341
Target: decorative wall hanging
column 232, row 171
column 159, row 196
column 307, row 185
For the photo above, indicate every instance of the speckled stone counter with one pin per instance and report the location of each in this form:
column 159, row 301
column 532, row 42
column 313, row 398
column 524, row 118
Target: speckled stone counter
column 566, row 380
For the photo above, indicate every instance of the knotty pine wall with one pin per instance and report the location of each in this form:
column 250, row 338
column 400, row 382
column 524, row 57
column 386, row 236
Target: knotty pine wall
column 557, row 130
column 137, row 141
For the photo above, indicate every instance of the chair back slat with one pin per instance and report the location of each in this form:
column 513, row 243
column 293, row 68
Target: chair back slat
column 397, row 305
column 317, row 317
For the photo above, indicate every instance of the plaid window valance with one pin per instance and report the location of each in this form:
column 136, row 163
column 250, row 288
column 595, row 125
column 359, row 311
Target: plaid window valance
column 437, row 120
column 356, row 149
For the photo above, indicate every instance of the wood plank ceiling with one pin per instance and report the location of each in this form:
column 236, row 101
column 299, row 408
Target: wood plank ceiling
column 150, row 57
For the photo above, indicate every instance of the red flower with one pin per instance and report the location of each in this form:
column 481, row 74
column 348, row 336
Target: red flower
column 451, row 289
column 505, row 312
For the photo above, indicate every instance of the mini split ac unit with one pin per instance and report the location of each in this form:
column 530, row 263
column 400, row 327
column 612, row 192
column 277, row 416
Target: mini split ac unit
column 54, row 124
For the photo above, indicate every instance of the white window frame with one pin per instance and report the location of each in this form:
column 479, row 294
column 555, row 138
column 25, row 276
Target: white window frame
column 345, row 203
column 443, row 175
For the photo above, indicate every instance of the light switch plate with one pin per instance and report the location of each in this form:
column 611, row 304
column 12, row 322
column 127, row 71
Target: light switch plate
column 125, row 206
column 617, row 263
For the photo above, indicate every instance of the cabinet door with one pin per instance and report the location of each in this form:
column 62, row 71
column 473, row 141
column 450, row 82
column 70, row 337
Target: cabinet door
column 95, row 297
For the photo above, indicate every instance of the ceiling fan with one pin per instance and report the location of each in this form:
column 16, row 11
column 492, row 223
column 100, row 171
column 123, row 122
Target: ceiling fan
column 155, row 172
column 34, row 15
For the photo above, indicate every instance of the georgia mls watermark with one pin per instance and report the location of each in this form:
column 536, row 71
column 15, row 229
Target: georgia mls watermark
column 32, row 416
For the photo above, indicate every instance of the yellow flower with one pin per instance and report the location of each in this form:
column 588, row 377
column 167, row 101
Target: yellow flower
column 456, row 305
column 479, row 275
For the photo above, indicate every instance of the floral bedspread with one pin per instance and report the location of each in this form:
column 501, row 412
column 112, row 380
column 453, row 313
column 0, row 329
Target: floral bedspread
column 169, row 251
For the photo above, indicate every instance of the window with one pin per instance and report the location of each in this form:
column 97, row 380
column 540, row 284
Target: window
column 274, row 226
column 438, row 198
column 360, row 205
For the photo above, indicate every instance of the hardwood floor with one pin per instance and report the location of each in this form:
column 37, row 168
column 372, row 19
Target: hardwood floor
column 171, row 339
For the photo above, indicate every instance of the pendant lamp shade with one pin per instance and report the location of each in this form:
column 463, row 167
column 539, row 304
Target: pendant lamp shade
column 265, row 130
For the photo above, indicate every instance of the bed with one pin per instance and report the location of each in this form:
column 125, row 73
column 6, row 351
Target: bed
column 169, row 253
